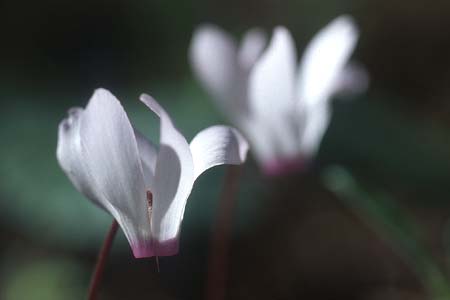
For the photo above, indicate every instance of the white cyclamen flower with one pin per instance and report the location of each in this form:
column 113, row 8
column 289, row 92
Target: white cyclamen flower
column 143, row 187
column 282, row 109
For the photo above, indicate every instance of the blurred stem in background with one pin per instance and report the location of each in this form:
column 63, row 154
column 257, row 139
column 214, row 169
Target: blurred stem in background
column 97, row 274
column 221, row 236
column 393, row 225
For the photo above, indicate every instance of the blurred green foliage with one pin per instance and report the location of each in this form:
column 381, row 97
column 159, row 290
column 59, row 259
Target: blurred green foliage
column 42, row 278
column 393, row 224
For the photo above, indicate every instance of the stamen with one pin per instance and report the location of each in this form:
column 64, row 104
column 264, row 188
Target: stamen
column 149, row 212
column 149, row 206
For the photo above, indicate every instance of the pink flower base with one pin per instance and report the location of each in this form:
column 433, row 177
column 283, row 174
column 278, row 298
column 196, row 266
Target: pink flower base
column 156, row 248
column 284, row 166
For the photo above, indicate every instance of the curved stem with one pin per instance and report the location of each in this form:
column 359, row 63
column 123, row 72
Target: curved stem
column 220, row 242
column 97, row 274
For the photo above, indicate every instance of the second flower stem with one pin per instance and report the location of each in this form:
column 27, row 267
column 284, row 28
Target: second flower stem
column 220, row 243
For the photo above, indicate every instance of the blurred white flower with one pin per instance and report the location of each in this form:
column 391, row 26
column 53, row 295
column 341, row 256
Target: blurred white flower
column 282, row 109
column 144, row 188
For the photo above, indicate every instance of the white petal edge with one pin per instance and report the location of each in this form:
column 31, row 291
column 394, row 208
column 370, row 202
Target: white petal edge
column 217, row 145
column 324, row 59
column 111, row 156
column 174, row 178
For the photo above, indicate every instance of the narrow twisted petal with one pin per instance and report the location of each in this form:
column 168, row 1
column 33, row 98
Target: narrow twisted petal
column 174, row 177
column 272, row 92
column 324, row 60
column 251, row 48
column 217, row 145
column 107, row 152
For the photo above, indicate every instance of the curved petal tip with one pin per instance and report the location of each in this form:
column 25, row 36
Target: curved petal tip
column 346, row 21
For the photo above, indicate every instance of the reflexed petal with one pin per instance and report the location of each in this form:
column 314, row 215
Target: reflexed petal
column 174, row 177
column 148, row 153
column 272, row 79
column 213, row 57
column 324, row 59
column 217, row 145
column 111, row 157
column 252, row 45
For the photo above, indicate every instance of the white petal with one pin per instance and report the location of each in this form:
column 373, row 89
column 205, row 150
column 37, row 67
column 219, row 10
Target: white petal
column 217, row 145
column 148, row 153
column 70, row 157
column 174, row 177
column 324, row 59
column 252, row 45
column 271, row 94
column 271, row 85
column 213, row 57
column 316, row 123
column 214, row 60
column 111, row 157
column 261, row 139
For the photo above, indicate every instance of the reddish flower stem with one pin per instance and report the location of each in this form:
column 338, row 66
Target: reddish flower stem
column 97, row 274
column 220, row 242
